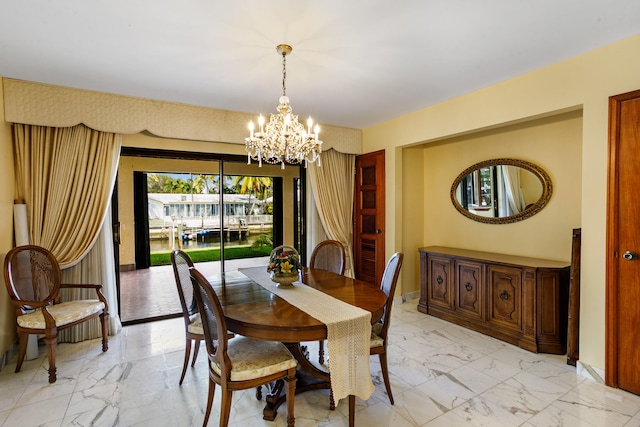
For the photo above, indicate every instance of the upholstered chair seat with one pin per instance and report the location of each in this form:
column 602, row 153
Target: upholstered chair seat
column 195, row 324
column 63, row 313
column 252, row 359
column 376, row 339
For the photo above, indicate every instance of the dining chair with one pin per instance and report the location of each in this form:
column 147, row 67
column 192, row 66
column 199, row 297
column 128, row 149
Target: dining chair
column 181, row 263
column 32, row 276
column 328, row 255
column 240, row 363
column 380, row 330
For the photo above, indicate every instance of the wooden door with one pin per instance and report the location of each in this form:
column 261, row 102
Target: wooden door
column 368, row 230
column 623, row 244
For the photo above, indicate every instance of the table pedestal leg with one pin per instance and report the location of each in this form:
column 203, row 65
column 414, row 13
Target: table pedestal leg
column 309, row 377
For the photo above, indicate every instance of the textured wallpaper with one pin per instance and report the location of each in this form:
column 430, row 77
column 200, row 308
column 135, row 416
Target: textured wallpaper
column 57, row 106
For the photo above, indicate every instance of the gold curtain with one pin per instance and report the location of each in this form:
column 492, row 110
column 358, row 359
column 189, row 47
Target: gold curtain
column 333, row 186
column 65, row 176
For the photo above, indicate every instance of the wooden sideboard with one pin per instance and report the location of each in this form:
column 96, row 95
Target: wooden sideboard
column 523, row 301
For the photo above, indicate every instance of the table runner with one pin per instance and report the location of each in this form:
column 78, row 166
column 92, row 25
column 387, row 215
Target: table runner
column 348, row 333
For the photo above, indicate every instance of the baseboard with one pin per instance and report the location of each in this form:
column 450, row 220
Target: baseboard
column 7, row 355
column 590, row 372
column 127, row 267
column 410, row 296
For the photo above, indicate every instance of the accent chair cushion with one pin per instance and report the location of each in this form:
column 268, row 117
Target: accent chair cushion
column 376, row 340
column 195, row 324
column 255, row 358
column 63, row 313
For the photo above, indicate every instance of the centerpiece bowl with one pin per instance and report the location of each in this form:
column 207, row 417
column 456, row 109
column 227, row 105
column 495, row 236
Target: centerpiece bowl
column 284, row 266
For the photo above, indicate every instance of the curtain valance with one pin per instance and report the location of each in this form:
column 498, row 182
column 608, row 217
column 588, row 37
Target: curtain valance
column 57, row 106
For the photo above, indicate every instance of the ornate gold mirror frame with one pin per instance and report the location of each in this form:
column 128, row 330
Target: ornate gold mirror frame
column 529, row 211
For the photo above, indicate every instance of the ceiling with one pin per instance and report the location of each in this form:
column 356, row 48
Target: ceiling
column 354, row 63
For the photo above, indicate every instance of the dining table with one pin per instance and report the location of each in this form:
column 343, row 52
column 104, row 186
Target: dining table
column 254, row 310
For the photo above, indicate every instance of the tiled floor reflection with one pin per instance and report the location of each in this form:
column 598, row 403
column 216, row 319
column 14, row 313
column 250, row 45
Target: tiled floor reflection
column 151, row 292
column 441, row 374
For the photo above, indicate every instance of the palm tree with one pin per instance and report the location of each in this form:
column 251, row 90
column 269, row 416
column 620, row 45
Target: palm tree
column 252, row 185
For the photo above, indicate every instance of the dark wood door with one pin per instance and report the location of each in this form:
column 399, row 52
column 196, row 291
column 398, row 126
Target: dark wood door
column 368, row 232
column 623, row 244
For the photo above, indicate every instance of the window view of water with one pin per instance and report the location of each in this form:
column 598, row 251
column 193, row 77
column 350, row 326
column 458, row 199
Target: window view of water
column 184, row 211
column 213, row 241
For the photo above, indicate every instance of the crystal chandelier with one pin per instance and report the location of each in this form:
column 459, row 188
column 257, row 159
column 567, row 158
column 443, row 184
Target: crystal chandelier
column 283, row 139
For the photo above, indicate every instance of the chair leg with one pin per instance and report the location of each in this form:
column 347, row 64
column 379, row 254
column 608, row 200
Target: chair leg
column 352, row 410
column 225, row 408
column 22, row 350
column 52, row 342
column 187, row 352
column 290, row 392
column 321, row 351
column 104, row 319
column 195, row 353
column 212, row 392
column 385, row 374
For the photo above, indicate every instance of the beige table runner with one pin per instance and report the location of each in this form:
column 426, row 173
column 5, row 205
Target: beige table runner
column 348, row 333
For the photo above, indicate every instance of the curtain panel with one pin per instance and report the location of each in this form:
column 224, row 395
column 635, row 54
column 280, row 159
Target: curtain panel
column 333, row 186
column 66, row 178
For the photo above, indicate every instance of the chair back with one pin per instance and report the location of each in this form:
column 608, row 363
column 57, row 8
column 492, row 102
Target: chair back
column 32, row 276
column 328, row 255
column 213, row 322
column 181, row 263
column 388, row 286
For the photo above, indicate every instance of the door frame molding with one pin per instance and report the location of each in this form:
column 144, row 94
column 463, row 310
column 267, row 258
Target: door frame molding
column 613, row 200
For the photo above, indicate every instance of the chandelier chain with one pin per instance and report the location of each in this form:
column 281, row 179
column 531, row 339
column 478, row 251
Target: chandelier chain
column 284, row 74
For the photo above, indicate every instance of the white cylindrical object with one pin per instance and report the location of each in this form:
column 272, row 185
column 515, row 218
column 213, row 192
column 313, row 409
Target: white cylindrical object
column 21, row 231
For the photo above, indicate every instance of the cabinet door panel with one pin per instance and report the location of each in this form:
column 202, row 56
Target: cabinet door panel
column 441, row 283
column 505, row 296
column 469, row 289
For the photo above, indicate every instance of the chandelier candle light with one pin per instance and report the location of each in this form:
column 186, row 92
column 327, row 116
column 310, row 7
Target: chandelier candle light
column 283, row 139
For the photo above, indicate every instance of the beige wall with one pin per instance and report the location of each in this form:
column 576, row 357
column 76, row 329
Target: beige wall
column 584, row 82
column 553, row 143
column 130, row 164
column 7, row 317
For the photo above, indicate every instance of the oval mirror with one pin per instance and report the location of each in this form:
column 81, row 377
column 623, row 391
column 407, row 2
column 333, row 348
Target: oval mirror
column 501, row 191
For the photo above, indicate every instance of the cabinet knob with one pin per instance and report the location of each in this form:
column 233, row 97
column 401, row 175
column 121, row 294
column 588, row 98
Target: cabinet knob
column 468, row 286
column 439, row 280
column 504, row 295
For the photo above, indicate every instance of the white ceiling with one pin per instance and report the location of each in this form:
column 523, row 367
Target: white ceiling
column 354, row 63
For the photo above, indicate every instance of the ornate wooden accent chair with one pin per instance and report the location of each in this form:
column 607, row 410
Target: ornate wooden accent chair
column 181, row 263
column 242, row 362
column 379, row 330
column 328, row 255
column 32, row 276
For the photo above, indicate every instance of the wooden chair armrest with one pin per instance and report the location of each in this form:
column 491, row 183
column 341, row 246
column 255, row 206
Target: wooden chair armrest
column 98, row 288
column 80, row 286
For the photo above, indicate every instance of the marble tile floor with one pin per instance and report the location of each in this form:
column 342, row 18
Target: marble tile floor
column 441, row 375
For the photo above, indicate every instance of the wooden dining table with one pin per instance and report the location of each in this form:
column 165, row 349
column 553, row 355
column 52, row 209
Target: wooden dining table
column 253, row 311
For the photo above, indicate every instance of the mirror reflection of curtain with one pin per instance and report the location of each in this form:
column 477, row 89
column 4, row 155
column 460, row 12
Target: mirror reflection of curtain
column 66, row 177
column 513, row 193
column 333, row 186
